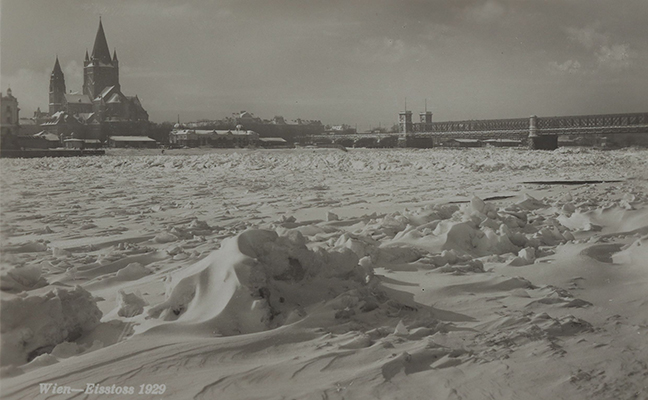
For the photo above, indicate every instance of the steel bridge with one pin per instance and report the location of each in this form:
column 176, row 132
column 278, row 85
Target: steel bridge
column 515, row 128
column 565, row 125
column 594, row 124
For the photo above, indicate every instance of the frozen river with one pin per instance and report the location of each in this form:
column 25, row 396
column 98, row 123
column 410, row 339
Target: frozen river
column 318, row 273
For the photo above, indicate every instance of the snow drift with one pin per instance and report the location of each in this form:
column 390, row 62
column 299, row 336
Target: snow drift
column 259, row 280
column 34, row 324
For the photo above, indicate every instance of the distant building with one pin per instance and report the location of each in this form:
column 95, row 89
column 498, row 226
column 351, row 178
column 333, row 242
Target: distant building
column 65, row 125
column 74, row 143
column 9, row 112
column 274, row 142
column 29, row 127
column 275, row 127
column 182, row 137
column 132, row 142
column 40, row 140
column 340, row 130
column 278, row 120
column 101, row 108
column 32, row 126
column 40, row 116
column 247, row 118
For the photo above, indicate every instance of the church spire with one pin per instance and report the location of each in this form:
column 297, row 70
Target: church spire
column 115, row 55
column 86, row 57
column 57, row 68
column 100, row 51
column 56, row 88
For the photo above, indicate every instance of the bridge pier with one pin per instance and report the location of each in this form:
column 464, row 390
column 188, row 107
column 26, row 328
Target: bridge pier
column 540, row 142
column 415, row 142
column 420, row 142
column 544, row 142
column 402, row 141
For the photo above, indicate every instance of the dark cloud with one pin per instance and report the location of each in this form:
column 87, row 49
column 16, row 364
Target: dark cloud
column 343, row 61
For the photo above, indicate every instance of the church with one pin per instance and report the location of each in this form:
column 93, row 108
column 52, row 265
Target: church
column 101, row 109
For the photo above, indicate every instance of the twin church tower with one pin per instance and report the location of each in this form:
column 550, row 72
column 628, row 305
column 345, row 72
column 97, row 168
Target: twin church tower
column 101, row 100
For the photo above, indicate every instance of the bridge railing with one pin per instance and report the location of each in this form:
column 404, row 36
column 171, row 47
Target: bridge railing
column 587, row 121
column 546, row 124
column 517, row 127
column 473, row 125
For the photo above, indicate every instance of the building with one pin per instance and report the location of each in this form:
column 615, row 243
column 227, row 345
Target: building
column 275, row 127
column 29, row 127
column 9, row 122
column 248, row 118
column 100, row 107
column 74, row 143
column 32, row 126
column 138, row 142
column 9, row 112
column 40, row 140
column 182, row 137
column 275, row 142
column 65, row 125
column 340, row 130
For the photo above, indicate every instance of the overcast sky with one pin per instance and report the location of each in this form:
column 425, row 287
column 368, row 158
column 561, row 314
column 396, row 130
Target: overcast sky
column 348, row 61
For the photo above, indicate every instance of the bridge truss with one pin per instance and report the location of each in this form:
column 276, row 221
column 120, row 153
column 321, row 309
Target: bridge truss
column 565, row 125
column 516, row 128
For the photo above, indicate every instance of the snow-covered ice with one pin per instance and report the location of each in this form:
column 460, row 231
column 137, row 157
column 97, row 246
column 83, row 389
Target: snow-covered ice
column 316, row 273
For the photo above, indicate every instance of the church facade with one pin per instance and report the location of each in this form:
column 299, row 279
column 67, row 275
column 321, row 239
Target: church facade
column 100, row 109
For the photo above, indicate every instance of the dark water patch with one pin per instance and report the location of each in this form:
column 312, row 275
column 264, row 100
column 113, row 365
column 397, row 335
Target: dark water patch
column 498, row 198
column 588, row 182
column 492, row 198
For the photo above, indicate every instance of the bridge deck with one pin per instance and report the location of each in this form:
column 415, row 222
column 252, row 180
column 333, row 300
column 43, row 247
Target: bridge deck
column 602, row 124
column 575, row 130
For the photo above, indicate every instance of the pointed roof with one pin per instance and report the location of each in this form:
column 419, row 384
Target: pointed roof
column 115, row 98
column 115, row 55
column 77, row 98
column 57, row 68
column 86, row 57
column 100, row 51
column 135, row 100
column 106, row 91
